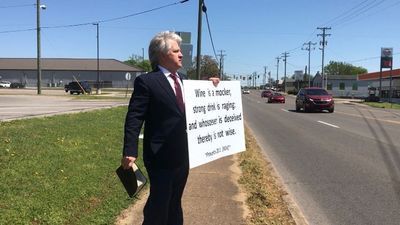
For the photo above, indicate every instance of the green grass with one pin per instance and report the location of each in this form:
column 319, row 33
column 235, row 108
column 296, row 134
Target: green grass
column 61, row 169
column 264, row 193
column 383, row 105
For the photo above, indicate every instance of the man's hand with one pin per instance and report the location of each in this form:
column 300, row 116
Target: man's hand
column 127, row 161
column 215, row 80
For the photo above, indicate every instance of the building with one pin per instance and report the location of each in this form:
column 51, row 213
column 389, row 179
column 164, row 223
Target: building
column 58, row 71
column 187, row 51
column 373, row 80
column 343, row 85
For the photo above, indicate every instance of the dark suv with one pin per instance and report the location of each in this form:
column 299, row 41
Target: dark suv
column 80, row 88
column 311, row 99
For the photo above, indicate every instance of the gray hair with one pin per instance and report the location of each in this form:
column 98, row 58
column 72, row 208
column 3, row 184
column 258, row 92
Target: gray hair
column 159, row 44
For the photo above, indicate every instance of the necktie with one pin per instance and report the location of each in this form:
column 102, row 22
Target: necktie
column 178, row 92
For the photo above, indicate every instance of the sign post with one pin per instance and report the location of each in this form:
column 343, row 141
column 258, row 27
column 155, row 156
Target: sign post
column 386, row 62
column 128, row 77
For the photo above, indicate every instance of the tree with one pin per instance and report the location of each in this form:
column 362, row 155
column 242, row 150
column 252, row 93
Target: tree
column 342, row 68
column 137, row 61
column 208, row 67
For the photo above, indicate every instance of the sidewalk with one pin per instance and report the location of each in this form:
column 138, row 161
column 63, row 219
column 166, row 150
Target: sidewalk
column 212, row 197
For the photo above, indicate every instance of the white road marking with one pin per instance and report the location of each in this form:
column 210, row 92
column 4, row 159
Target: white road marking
column 328, row 124
column 285, row 110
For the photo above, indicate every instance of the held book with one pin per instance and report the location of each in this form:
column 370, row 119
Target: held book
column 132, row 179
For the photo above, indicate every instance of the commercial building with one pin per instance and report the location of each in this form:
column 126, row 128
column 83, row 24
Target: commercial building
column 388, row 80
column 187, row 51
column 58, row 71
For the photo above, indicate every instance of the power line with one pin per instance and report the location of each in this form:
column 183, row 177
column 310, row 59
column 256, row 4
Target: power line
column 100, row 21
column 346, row 12
column 16, row 6
column 204, row 9
column 358, row 12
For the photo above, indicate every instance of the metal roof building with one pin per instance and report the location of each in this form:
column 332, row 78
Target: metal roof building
column 56, row 71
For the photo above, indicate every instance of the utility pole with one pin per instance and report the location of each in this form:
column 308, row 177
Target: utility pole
column 277, row 72
column 265, row 77
column 255, row 80
column 39, row 68
column 221, row 64
column 308, row 48
column 285, row 55
column 199, row 22
column 98, row 61
column 323, row 43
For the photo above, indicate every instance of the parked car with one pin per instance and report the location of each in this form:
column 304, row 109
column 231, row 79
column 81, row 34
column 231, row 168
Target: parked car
column 78, row 88
column 5, row 84
column 266, row 94
column 17, row 85
column 246, row 91
column 276, row 97
column 311, row 99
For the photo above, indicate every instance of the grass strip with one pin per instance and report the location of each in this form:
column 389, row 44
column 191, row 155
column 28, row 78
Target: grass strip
column 264, row 195
column 61, row 169
column 385, row 105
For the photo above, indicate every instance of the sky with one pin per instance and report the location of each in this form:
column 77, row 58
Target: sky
column 251, row 34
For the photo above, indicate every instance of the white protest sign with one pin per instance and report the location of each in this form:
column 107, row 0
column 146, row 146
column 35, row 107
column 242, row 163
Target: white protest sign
column 214, row 119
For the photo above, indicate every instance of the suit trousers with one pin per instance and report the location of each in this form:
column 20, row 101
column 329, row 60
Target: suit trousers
column 163, row 207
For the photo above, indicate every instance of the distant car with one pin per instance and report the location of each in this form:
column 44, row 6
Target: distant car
column 276, row 97
column 266, row 94
column 79, row 88
column 5, row 84
column 17, row 85
column 246, row 92
column 311, row 99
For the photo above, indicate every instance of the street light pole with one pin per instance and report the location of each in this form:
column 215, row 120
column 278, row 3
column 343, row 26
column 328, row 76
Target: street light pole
column 98, row 63
column 39, row 69
column 198, row 57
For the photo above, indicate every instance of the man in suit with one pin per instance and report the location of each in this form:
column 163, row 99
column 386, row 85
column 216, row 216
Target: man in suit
column 157, row 100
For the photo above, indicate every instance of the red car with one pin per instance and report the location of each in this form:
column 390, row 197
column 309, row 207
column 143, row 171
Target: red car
column 266, row 94
column 311, row 99
column 276, row 97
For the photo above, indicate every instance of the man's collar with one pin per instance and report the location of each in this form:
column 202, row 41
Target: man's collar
column 165, row 71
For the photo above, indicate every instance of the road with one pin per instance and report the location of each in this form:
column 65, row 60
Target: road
column 339, row 168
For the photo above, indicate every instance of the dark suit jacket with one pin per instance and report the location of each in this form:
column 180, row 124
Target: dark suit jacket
column 165, row 140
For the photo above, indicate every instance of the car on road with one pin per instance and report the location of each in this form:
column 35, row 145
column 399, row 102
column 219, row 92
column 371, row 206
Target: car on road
column 276, row 97
column 266, row 94
column 314, row 98
column 5, row 84
column 246, row 91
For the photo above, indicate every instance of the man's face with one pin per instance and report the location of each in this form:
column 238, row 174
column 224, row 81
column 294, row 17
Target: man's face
column 173, row 59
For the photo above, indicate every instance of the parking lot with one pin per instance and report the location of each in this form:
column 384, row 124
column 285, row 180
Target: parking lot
column 25, row 103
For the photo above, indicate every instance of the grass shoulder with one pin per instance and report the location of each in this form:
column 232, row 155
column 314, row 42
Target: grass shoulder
column 264, row 194
column 384, row 105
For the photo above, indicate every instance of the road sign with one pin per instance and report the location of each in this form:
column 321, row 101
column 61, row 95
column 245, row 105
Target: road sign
column 128, row 76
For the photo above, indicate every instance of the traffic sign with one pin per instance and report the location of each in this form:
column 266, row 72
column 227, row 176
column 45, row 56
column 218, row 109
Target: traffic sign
column 128, row 76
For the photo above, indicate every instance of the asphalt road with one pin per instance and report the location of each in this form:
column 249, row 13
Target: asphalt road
column 18, row 104
column 341, row 167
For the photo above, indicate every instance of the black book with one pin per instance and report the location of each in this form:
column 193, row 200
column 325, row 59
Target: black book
column 132, row 179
